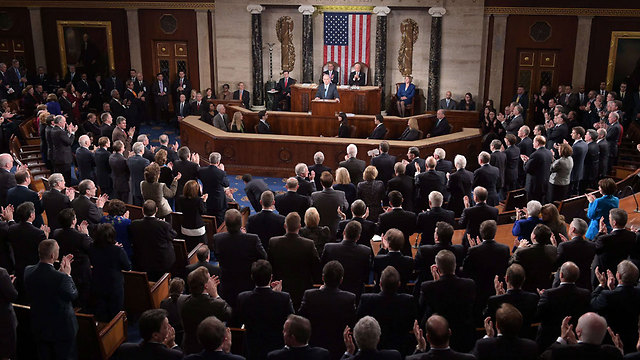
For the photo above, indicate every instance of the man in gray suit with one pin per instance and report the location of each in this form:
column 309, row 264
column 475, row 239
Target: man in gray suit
column 512, row 127
column 579, row 153
column 354, row 165
column 327, row 90
column 136, row 164
column 327, row 203
column 447, row 103
column 221, row 119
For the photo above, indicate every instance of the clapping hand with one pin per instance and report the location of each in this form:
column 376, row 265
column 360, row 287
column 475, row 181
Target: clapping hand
column 611, row 280
column 435, row 273
column 195, row 158
column 226, row 343
column 71, row 193
column 204, row 197
column 341, row 214
column 473, row 242
column 417, row 332
column 12, row 278
column 83, row 227
column 132, row 130
column 466, row 201
column 7, row 212
column 616, row 339
column 602, row 226
column 498, row 285
column 175, row 146
column 170, row 340
column 417, row 166
column 488, row 327
column 348, row 340
column 65, row 264
column 590, row 197
column 566, row 331
column 601, row 276
column 178, row 177
column 212, row 286
column 46, row 230
column 101, row 200
column 524, row 158
column 276, row 285
column 126, row 214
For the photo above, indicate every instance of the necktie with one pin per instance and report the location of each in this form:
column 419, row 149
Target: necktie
column 518, row 99
column 285, row 82
column 160, row 86
column 326, row 90
column 447, row 102
column 181, row 107
column 180, row 81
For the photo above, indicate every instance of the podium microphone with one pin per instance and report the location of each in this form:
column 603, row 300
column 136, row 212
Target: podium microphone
column 637, row 210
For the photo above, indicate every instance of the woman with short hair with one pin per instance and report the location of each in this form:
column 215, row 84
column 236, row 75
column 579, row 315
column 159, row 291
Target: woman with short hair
column 372, row 192
column 154, row 190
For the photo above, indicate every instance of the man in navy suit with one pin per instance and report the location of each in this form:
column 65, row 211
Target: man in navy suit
column 538, row 168
column 488, row 176
column 473, row 216
column 357, row 77
column 384, row 162
column 380, row 130
column 291, row 201
column 21, row 193
column 263, row 125
column 53, row 320
column 56, row 199
column 86, row 159
column 507, row 344
column 157, row 341
column 427, row 220
column 136, row 165
column 296, row 332
column 284, row 90
column 441, row 127
column 215, row 338
column 214, row 182
column 521, row 98
column 266, row 224
column 160, row 89
column 254, row 189
column 334, row 76
column 327, row 90
column 182, row 107
column 242, row 94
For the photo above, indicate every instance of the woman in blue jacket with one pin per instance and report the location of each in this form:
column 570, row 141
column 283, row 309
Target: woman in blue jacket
column 405, row 94
column 599, row 208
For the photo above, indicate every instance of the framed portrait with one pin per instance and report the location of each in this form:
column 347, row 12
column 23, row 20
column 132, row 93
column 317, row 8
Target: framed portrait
column 624, row 60
column 88, row 45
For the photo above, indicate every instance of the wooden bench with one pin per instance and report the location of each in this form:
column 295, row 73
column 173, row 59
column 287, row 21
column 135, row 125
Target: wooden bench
column 140, row 294
column 183, row 258
column 574, row 207
column 29, row 132
column 515, row 199
column 135, row 212
column 100, row 340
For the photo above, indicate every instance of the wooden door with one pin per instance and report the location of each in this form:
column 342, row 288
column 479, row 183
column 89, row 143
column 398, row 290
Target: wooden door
column 171, row 57
column 12, row 48
column 536, row 68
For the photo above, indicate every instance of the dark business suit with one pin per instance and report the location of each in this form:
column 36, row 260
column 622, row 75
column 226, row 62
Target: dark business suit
column 327, row 202
column 24, row 239
column 186, row 87
column 103, row 171
column 514, row 125
column 402, row 220
column 591, row 166
column 283, row 87
column 410, row 169
column 329, row 310
column 603, row 164
column 193, row 309
column 8, row 295
column 188, row 170
column 296, row 262
column 488, row 176
column 402, row 263
column 86, row 163
column 245, row 98
column 378, row 132
column 612, row 248
column 136, row 165
column 214, row 181
column 61, row 142
column 263, row 313
column 405, row 185
column 334, row 75
column 53, row 321
column 198, row 110
column 356, row 261
column 360, row 81
column 71, row 241
column 21, row 194
column 160, row 92
column 426, row 256
column 182, row 109
column 120, row 175
column 554, row 305
column 613, row 137
column 620, row 307
column 254, row 190
column 441, row 127
column 472, row 217
column 7, row 181
column 557, row 135
column 368, row 230
column 538, row 262
column 384, row 163
column 581, row 252
column 355, row 167
column 304, row 352
column 538, row 170
column 453, row 298
column 290, row 202
column 395, row 313
column 499, row 160
column 264, row 127
column 526, row 302
column 151, row 240
column 147, row 351
column 512, row 162
column 327, row 92
column 236, row 252
column 86, row 209
column 318, row 169
column 460, row 185
column 505, row 347
column 266, row 224
column 426, row 182
column 426, row 223
column 107, row 281
column 441, row 354
column 582, row 351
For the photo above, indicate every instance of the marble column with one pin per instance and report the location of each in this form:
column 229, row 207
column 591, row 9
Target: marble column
column 133, row 27
column 256, row 55
column 307, row 42
column 38, row 38
column 582, row 52
column 497, row 59
column 204, row 61
column 381, row 49
column 435, row 54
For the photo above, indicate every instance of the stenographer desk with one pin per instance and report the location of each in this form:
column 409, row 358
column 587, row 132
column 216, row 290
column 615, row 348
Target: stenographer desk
column 363, row 100
column 277, row 155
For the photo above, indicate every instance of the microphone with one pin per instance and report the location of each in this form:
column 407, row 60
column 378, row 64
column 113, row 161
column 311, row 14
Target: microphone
column 637, row 210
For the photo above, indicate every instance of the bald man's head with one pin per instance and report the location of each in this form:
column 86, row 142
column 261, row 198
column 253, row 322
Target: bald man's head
column 569, row 272
column 438, row 332
column 591, row 328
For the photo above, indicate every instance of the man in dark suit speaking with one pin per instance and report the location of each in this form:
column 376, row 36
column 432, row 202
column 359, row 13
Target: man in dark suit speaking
column 327, row 90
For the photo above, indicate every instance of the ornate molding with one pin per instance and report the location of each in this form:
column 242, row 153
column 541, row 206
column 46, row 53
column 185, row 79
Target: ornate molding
column 495, row 10
column 381, row 10
column 437, row 11
column 306, row 9
column 328, row 8
column 110, row 4
column 255, row 9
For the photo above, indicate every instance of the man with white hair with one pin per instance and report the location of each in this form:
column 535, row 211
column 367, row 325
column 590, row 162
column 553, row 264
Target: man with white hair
column 357, row 78
column 136, row 164
column 526, row 220
column 121, row 133
column 353, row 164
column 614, row 134
column 585, row 343
column 318, row 168
column 170, row 149
column 367, row 336
column 306, row 183
column 488, row 176
column 62, row 137
column 148, row 152
column 427, row 220
column 473, row 216
column 215, row 183
column 7, row 179
column 327, row 90
column 443, row 164
column 459, row 185
column 86, row 159
column 578, row 250
column 56, row 199
column 221, row 120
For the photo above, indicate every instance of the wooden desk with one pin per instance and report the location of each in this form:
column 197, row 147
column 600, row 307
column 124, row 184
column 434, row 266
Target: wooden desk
column 364, row 100
column 328, row 108
column 277, row 155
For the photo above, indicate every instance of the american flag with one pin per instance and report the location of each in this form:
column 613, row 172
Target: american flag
column 346, row 40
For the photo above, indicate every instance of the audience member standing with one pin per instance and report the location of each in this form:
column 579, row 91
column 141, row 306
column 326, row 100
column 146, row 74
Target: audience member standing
column 459, row 185
column 193, row 207
column 537, row 167
column 427, row 220
column 120, row 173
column 56, row 199
column 137, row 164
column 327, row 202
column 215, row 183
column 488, row 177
column 21, row 194
column 354, row 165
column 266, row 224
column 62, row 137
column 538, row 260
column 8, row 295
column 87, row 210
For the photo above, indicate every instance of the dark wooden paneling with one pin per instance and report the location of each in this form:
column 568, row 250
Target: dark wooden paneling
column 365, row 100
column 563, row 39
column 186, row 31
column 619, row 4
column 276, row 155
column 118, row 18
column 601, row 29
column 21, row 29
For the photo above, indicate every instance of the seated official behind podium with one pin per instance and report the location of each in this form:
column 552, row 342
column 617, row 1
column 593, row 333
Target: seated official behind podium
column 405, row 95
column 263, row 126
column 327, row 90
column 333, row 75
column 441, row 127
column 380, row 130
column 357, row 78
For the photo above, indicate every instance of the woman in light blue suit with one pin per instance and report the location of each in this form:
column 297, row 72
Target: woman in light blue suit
column 405, row 94
column 599, row 208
